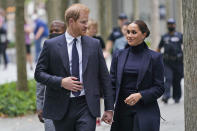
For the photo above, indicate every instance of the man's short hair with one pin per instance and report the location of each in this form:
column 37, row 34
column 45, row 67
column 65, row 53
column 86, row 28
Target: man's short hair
column 59, row 22
column 171, row 21
column 122, row 16
column 74, row 12
column 127, row 23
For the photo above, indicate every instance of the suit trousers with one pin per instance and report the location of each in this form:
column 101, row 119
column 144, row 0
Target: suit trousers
column 48, row 125
column 173, row 75
column 78, row 117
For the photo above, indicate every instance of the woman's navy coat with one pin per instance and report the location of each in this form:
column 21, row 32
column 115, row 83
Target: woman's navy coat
column 150, row 84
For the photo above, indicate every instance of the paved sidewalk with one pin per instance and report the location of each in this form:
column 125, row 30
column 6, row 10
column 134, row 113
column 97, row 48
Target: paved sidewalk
column 172, row 113
column 10, row 74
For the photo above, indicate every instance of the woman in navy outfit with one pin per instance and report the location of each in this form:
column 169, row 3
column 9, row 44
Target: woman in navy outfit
column 137, row 75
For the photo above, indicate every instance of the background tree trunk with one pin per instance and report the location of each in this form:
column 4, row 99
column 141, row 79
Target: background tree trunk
column 136, row 14
column 102, row 12
column 155, row 33
column 6, row 3
column 167, row 5
column 64, row 5
column 179, row 16
column 108, row 17
column 56, row 10
column 76, row 1
column 3, row 4
column 53, row 10
column 190, row 64
column 20, row 46
column 105, row 18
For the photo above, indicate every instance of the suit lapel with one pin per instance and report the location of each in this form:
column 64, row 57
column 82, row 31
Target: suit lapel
column 121, row 63
column 145, row 64
column 64, row 53
column 85, row 54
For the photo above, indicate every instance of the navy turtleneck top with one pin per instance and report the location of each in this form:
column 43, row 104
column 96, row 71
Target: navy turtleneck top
column 131, row 68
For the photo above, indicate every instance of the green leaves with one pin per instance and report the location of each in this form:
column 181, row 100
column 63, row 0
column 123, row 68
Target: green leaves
column 17, row 103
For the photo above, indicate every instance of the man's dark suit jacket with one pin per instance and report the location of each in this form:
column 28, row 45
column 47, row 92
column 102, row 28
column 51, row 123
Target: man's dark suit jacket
column 150, row 84
column 53, row 66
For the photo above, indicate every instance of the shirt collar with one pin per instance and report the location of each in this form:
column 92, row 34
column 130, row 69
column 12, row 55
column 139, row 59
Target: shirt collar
column 70, row 38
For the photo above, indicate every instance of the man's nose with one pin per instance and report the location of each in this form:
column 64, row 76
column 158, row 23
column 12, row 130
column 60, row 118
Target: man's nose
column 86, row 25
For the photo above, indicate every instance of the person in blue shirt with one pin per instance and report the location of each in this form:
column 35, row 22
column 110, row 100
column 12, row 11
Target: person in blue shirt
column 121, row 42
column 41, row 31
column 115, row 34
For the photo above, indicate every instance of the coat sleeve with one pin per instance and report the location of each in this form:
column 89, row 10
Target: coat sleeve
column 40, row 91
column 42, row 73
column 157, row 89
column 161, row 43
column 105, row 82
column 113, row 72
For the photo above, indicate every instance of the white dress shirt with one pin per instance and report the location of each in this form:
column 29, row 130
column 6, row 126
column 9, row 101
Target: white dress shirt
column 69, row 40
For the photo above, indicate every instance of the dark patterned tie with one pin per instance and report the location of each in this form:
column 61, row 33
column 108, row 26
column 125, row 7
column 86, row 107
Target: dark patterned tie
column 75, row 65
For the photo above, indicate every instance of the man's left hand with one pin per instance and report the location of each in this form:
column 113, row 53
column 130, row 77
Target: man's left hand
column 40, row 116
column 107, row 117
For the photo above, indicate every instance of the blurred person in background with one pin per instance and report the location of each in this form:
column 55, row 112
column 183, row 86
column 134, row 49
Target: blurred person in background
column 115, row 34
column 41, row 31
column 92, row 31
column 137, row 75
column 121, row 42
column 57, row 28
column 28, row 30
column 172, row 43
column 3, row 41
column 3, row 14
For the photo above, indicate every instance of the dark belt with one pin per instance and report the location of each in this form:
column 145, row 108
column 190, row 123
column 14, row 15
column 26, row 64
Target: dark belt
column 172, row 58
column 79, row 98
column 129, row 91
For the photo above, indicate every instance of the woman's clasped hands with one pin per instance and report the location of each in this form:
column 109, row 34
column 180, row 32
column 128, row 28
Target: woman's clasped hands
column 133, row 99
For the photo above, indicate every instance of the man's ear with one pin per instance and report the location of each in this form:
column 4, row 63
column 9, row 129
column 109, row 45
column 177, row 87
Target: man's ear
column 70, row 21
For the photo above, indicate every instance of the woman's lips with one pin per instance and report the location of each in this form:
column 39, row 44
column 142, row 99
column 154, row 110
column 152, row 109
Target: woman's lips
column 130, row 40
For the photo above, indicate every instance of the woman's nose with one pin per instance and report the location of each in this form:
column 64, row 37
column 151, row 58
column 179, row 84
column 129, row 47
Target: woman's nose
column 129, row 35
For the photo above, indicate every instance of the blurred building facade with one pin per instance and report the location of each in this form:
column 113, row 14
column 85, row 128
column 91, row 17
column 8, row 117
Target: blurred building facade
column 126, row 6
column 167, row 9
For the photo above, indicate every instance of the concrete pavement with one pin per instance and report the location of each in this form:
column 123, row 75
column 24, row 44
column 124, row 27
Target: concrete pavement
column 10, row 74
column 172, row 113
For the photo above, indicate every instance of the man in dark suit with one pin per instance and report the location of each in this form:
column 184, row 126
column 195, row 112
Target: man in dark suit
column 73, row 70
column 57, row 28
